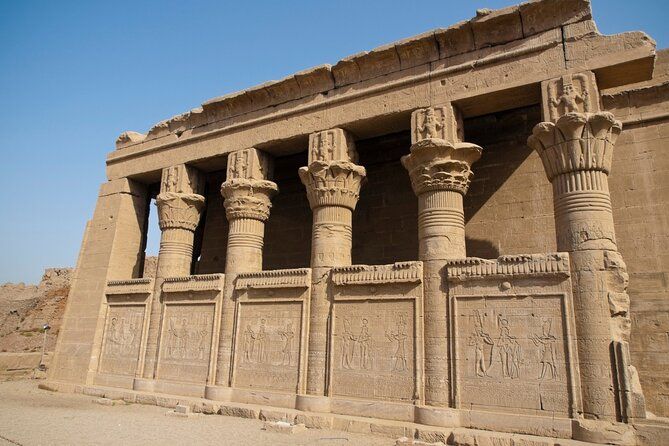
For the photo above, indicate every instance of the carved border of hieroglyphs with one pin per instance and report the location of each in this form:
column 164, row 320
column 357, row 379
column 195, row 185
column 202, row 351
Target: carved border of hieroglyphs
column 280, row 278
column 400, row 272
column 567, row 316
column 129, row 286
column 202, row 282
column 510, row 265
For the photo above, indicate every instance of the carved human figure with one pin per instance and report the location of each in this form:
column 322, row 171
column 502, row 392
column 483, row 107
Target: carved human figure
column 570, row 99
column 261, row 342
column 347, row 346
column 431, row 126
column 249, row 339
column 364, row 341
column 400, row 336
column 325, row 147
column 479, row 340
column 179, row 332
column 546, row 342
column 287, row 335
column 115, row 338
column 509, row 350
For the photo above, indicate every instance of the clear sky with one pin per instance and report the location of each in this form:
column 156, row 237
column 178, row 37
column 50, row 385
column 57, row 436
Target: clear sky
column 74, row 75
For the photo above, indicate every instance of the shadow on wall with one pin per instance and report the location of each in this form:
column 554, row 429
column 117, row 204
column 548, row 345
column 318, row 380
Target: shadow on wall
column 502, row 201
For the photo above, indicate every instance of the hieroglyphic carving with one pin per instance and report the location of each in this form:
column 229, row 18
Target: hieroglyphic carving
column 373, row 349
column 123, row 333
column 268, row 345
column 186, row 342
column 512, row 353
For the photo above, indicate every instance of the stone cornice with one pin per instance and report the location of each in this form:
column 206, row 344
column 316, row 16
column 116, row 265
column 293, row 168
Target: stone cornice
column 400, row 272
column 480, row 32
column 280, row 278
column 247, row 198
column 130, row 286
column 202, row 282
column 511, row 265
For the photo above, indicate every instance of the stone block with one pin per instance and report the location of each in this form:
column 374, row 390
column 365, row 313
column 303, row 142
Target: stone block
column 314, row 421
column 541, row 15
column 496, row 27
column 241, row 412
column 276, row 415
column 283, row 427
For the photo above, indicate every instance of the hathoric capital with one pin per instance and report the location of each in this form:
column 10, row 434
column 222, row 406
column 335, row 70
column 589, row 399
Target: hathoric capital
column 332, row 178
column 179, row 202
column 438, row 160
column 247, row 189
column 576, row 135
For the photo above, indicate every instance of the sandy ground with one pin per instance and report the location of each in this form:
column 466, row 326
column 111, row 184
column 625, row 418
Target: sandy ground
column 29, row 416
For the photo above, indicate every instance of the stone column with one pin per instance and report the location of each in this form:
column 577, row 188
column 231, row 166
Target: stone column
column 247, row 192
column 576, row 147
column 333, row 182
column 440, row 169
column 180, row 206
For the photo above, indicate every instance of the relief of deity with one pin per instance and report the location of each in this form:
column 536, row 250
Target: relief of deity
column 287, row 351
column 546, row 343
column 509, row 350
column 121, row 337
column 347, row 346
column 431, row 126
column 186, row 341
column 479, row 340
column 400, row 336
column 364, row 342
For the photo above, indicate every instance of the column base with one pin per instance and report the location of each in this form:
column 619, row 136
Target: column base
column 144, row 385
column 436, row 416
column 218, row 393
column 603, row 432
column 312, row 403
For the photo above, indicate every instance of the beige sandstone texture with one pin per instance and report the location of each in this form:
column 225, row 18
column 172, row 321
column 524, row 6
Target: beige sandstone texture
column 452, row 231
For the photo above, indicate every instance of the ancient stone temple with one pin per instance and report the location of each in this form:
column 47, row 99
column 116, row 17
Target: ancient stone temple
column 466, row 229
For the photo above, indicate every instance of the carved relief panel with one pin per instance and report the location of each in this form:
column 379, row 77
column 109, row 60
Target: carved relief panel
column 512, row 353
column 249, row 164
column 267, row 353
column 571, row 93
column 372, row 354
column 122, row 339
column 332, row 145
column 443, row 122
column 185, row 344
column 181, row 179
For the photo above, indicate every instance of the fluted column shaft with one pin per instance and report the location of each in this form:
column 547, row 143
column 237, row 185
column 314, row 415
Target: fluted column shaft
column 247, row 203
column 179, row 211
column 333, row 184
column 576, row 150
column 440, row 172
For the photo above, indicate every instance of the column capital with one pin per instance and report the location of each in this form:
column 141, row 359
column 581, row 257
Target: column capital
column 576, row 142
column 332, row 178
column 571, row 93
column 438, row 160
column 179, row 202
column 247, row 190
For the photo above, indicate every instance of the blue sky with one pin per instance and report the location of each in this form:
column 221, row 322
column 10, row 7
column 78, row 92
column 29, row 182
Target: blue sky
column 74, row 75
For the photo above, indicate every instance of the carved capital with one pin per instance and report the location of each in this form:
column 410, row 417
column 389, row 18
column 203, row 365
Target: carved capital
column 436, row 164
column 179, row 210
column 245, row 198
column 443, row 123
column 335, row 183
column 576, row 142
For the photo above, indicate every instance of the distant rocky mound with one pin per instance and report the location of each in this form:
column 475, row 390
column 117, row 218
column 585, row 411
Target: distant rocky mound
column 24, row 309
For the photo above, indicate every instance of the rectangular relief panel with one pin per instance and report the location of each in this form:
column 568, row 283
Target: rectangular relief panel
column 267, row 353
column 372, row 355
column 122, row 339
column 512, row 353
column 185, row 342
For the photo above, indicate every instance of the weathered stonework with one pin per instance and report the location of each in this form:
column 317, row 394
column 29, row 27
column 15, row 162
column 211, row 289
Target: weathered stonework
column 410, row 301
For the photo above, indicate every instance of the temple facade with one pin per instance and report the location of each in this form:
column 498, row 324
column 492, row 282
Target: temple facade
column 466, row 229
